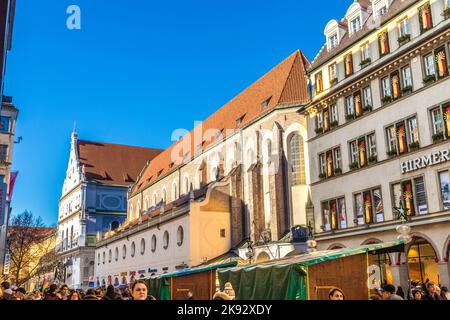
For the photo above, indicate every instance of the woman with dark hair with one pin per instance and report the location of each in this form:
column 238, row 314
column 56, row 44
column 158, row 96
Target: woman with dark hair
column 416, row 294
column 400, row 292
column 139, row 291
column 74, row 295
column 336, row 294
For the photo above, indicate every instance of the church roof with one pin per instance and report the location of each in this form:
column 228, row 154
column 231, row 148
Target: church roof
column 284, row 84
column 113, row 164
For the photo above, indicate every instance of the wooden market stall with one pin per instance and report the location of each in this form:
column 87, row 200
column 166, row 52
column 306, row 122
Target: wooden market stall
column 188, row 284
column 308, row 276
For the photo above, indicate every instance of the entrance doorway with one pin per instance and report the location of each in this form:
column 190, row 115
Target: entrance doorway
column 422, row 262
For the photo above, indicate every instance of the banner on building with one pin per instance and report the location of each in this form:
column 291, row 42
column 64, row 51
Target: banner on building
column 12, row 182
column 3, row 189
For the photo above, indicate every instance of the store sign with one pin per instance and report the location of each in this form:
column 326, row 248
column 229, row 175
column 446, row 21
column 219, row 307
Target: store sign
column 6, row 264
column 425, row 161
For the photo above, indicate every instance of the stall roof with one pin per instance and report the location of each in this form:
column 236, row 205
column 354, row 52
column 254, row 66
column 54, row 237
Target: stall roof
column 186, row 272
column 313, row 258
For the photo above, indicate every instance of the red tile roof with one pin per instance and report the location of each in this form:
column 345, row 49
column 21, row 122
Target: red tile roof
column 284, row 84
column 113, row 164
column 347, row 41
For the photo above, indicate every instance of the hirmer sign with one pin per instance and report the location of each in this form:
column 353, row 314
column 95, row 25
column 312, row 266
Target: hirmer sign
column 425, row 161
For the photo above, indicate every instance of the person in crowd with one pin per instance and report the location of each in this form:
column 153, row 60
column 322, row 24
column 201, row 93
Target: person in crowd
column 219, row 295
column 118, row 294
column 99, row 294
column 20, row 293
column 90, row 295
column 336, row 294
column 126, row 295
column 64, row 292
column 388, row 293
column 445, row 295
column 74, row 295
column 7, row 291
column 37, row 295
column 430, row 292
column 400, row 292
column 375, row 297
column 139, row 291
column 51, row 294
column 417, row 294
column 110, row 293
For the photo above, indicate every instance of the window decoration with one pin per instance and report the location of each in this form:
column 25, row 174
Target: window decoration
column 383, row 41
column 425, row 19
column 348, row 60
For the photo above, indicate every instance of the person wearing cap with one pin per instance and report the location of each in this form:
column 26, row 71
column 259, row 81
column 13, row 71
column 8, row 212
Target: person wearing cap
column 430, row 292
column 388, row 293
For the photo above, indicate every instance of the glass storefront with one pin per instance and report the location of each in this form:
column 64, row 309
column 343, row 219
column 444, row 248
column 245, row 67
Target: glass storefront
column 422, row 262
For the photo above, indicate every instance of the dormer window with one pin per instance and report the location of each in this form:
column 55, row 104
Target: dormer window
column 265, row 104
column 355, row 25
column 239, row 121
column 332, row 41
column 381, row 7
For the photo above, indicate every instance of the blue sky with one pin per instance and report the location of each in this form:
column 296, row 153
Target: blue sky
column 136, row 71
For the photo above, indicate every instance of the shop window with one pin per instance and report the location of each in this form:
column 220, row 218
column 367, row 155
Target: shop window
column 403, row 137
column 369, row 207
column 363, row 151
column 334, row 214
column 425, row 18
column 330, row 163
column 444, row 180
column 440, row 119
column 411, row 196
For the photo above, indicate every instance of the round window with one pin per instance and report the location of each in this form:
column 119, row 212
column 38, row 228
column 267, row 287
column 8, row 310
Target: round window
column 166, row 240
column 153, row 243
column 142, row 246
column 180, row 236
column 133, row 249
column 124, row 252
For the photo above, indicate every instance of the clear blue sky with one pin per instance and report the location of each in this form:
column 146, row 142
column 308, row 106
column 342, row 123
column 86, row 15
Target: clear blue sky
column 136, row 71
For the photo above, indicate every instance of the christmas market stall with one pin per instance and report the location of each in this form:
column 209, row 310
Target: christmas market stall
column 188, row 284
column 309, row 276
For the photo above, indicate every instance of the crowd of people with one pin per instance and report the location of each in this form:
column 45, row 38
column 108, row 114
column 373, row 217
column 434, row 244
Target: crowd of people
column 427, row 291
column 139, row 291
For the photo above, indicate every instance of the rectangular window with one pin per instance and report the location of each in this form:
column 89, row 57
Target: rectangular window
column 334, row 215
column 444, row 179
column 333, row 41
column 367, row 94
column 430, row 69
column 326, row 119
column 319, row 82
column 363, row 151
column 334, row 114
column 383, row 42
column 403, row 27
column 425, row 18
column 349, row 106
column 440, row 59
column 330, row 163
column 407, row 78
column 369, row 206
column 358, row 103
column 333, row 74
column 440, row 119
column 319, row 121
column 365, row 53
column 396, row 88
column 410, row 196
column 3, row 153
column 386, row 87
column 356, row 24
column 348, row 61
column 5, row 124
column 403, row 136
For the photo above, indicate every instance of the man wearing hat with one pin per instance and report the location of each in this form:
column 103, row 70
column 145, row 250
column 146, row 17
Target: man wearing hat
column 388, row 293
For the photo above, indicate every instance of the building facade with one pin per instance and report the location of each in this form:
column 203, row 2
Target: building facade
column 94, row 201
column 238, row 176
column 8, row 119
column 7, row 8
column 378, row 134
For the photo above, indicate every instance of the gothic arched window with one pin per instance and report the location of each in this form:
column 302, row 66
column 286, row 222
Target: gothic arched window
column 296, row 159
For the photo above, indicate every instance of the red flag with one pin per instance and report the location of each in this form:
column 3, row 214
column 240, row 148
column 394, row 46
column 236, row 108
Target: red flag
column 12, row 181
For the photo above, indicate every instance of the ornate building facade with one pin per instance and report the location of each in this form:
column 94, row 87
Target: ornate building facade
column 378, row 134
column 93, row 201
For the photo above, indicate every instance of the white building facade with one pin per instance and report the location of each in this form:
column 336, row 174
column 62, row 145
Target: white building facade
column 378, row 128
